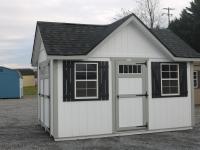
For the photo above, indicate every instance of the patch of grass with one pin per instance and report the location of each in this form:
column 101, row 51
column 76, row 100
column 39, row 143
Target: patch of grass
column 30, row 90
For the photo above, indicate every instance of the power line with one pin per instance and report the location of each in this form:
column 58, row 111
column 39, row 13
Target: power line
column 168, row 13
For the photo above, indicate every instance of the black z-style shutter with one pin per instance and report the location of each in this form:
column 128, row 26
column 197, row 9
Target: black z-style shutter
column 68, row 80
column 156, row 79
column 198, row 78
column 183, row 79
column 103, row 80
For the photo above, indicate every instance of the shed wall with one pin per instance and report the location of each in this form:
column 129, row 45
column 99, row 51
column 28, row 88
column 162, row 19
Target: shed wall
column 173, row 112
column 95, row 117
column 28, row 80
column 83, row 118
column 130, row 41
column 10, row 84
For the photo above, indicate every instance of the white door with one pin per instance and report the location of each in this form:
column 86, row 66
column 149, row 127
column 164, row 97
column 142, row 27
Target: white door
column 131, row 96
column 44, row 96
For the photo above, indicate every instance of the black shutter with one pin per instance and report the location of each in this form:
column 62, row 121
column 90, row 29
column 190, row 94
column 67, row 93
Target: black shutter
column 156, row 79
column 183, row 79
column 103, row 80
column 68, row 80
column 198, row 78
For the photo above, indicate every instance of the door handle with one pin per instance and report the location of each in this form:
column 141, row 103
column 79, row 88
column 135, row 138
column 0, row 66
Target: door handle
column 141, row 95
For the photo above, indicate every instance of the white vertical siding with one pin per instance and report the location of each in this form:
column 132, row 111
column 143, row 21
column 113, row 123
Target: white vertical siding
column 41, row 101
column 130, row 41
column 171, row 112
column 42, row 54
column 83, row 118
column 46, row 103
column 95, row 117
column 130, row 109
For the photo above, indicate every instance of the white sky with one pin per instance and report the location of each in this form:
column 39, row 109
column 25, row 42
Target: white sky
column 18, row 20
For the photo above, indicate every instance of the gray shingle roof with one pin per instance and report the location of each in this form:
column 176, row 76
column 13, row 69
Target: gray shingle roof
column 66, row 39
column 74, row 39
column 175, row 44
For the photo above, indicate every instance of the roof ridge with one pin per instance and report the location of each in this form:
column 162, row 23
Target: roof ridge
column 82, row 24
column 66, row 23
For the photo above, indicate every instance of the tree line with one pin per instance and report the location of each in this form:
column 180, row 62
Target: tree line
column 188, row 25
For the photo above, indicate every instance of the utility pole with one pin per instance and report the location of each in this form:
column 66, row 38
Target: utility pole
column 168, row 13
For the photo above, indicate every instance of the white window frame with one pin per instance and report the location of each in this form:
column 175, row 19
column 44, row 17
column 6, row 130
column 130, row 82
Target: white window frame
column 138, row 73
column 195, row 79
column 97, row 80
column 177, row 79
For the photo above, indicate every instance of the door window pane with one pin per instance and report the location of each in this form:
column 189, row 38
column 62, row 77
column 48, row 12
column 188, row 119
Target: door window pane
column 121, row 69
column 139, row 69
column 125, row 69
column 130, row 68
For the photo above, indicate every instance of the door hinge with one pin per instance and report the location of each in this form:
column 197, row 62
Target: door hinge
column 144, row 63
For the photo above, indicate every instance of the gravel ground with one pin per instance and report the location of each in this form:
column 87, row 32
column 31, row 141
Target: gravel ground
column 19, row 131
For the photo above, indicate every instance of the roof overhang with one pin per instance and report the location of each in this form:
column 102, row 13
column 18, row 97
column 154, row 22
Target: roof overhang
column 36, row 47
column 38, row 41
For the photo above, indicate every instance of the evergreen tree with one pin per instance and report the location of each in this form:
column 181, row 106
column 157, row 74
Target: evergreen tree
column 188, row 25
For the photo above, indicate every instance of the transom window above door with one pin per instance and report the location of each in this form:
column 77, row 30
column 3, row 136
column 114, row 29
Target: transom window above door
column 86, row 80
column 170, row 79
column 130, row 69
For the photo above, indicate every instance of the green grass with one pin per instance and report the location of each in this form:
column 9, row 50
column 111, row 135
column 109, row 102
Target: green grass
column 30, row 90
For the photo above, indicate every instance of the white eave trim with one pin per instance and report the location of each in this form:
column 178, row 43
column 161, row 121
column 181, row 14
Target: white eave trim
column 83, row 57
column 186, row 59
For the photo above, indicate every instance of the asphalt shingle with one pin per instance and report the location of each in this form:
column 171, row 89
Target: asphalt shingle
column 67, row 39
column 74, row 39
column 175, row 44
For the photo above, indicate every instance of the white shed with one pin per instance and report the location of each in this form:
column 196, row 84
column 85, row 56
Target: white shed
column 112, row 80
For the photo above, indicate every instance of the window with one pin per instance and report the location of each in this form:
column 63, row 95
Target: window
column 195, row 78
column 130, row 69
column 86, row 80
column 170, row 79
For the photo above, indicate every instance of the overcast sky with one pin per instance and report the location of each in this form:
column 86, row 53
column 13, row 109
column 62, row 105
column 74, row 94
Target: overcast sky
column 18, row 20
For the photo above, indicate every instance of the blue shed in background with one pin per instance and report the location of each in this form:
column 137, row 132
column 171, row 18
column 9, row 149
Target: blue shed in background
column 11, row 84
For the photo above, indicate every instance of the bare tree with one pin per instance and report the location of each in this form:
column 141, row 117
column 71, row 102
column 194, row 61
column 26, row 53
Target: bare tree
column 123, row 12
column 147, row 10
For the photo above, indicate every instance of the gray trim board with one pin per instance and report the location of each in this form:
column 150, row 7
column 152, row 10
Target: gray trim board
column 192, row 94
column 55, row 99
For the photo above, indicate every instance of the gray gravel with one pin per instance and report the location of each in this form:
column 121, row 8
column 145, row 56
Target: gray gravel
column 19, row 130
